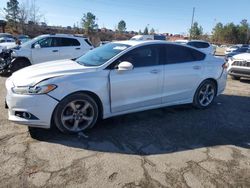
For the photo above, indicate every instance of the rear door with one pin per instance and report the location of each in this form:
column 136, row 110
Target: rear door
column 70, row 48
column 183, row 72
column 140, row 87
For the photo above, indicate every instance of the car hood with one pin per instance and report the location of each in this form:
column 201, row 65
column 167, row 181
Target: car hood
column 243, row 56
column 36, row 73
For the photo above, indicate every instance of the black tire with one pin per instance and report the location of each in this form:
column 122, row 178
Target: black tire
column 72, row 110
column 202, row 93
column 34, row 132
column 19, row 64
column 235, row 77
column 5, row 73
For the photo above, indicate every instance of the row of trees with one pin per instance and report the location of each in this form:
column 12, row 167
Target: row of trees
column 89, row 25
column 231, row 33
column 17, row 15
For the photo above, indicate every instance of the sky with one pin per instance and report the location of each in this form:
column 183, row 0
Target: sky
column 165, row 16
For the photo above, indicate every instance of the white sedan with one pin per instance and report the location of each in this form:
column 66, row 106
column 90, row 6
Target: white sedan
column 117, row 78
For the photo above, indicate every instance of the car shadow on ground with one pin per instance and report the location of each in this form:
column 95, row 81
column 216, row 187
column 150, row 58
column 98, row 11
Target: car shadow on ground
column 166, row 130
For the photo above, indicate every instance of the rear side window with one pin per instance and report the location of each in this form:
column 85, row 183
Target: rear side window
column 198, row 44
column 181, row 54
column 69, row 42
column 88, row 42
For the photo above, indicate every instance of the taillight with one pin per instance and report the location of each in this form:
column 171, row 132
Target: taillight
column 225, row 65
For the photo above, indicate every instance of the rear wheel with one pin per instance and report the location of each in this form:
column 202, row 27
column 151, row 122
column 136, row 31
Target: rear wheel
column 235, row 77
column 19, row 64
column 205, row 94
column 76, row 113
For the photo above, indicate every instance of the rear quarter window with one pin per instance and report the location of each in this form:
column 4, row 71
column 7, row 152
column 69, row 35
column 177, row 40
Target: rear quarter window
column 69, row 42
column 181, row 54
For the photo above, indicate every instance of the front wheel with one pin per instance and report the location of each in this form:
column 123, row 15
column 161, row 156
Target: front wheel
column 19, row 64
column 76, row 113
column 205, row 94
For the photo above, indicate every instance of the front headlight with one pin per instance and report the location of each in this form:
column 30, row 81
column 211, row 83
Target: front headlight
column 34, row 90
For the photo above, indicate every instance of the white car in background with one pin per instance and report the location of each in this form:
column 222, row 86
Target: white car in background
column 49, row 48
column 7, row 43
column 114, row 79
column 204, row 46
column 231, row 49
column 239, row 66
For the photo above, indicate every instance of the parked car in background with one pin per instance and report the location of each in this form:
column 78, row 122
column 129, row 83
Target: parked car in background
column 49, row 48
column 204, row 46
column 181, row 41
column 148, row 37
column 103, row 43
column 23, row 38
column 231, row 49
column 6, row 35
column 114, row 79
column 239, row 66
column 235, row 52
column 7, row 43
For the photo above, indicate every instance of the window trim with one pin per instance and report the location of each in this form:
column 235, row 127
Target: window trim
column 160, row 61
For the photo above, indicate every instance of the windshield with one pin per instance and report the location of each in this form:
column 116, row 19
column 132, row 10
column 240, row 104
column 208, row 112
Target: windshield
column 102, row 54
column 29, row 42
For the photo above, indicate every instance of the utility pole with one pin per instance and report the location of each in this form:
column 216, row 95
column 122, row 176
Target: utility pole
column 192, row 22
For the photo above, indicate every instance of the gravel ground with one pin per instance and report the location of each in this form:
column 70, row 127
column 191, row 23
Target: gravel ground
column 168, row 147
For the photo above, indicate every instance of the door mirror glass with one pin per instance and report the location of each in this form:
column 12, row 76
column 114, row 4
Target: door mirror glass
column 37, row 46
column 125, row 65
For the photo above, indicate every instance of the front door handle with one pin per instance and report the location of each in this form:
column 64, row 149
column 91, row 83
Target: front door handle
column 155, row 71
column 54, row 50
column 196, row 67
column 78, row 48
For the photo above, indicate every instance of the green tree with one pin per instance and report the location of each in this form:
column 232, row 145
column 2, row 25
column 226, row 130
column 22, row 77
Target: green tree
column 218, row 33
column 89, row 23
column 152, row 31
column 139, row 32
column 145, row 32
column 122, row 26
column 196, row 31
column 12, row 12
column 244, row 32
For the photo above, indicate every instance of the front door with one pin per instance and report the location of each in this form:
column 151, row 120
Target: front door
column 48, row 51
column 140, row 87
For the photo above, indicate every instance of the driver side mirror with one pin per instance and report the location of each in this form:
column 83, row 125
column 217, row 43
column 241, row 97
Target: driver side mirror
column 37, row 46
column 125, row 65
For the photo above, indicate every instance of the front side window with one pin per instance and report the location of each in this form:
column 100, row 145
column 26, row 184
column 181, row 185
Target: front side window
column 180, row 54
column 45, row 42
column 142, row 56
column 102, row 54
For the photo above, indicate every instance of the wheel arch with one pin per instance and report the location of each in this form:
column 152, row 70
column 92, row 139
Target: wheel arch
column 95, row 97
column 22, row 58
column 211, row 79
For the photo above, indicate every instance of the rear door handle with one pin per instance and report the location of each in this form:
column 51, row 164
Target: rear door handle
column 196, row 67
column 78, row 48
column 155, row 71
column 54, row 50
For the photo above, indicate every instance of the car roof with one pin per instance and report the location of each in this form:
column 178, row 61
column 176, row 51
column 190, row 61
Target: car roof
column 136, row 42
column 64, row 35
